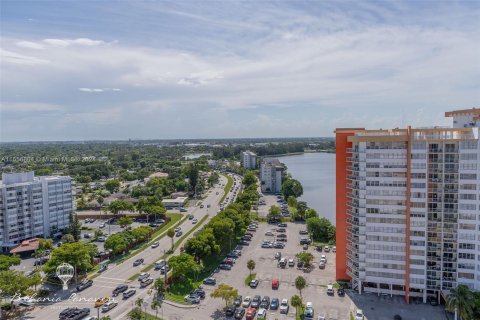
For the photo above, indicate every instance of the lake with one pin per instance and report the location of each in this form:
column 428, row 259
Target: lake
column 316, row 172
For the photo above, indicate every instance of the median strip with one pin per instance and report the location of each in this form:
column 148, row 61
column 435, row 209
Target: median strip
column 227, row 188
column 175, row 246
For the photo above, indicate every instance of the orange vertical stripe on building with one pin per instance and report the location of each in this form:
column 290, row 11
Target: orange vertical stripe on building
column 342, row 144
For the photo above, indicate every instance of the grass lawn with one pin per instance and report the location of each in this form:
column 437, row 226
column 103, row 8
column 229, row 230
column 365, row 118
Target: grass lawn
column 228, row 185
column 249, row 278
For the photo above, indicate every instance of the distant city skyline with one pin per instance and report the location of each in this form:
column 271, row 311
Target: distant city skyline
column 96, row 70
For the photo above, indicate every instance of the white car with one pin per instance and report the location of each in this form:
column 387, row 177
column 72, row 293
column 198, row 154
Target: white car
column 359, row 315
column 109, row 306
column 155, row 244
column 308, row 314
column 194, row 221
column 284, row 306
column 291, row 262
column 262, row 313
column 246, row 302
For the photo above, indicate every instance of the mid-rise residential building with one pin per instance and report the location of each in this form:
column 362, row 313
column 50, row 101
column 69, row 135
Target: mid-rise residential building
column 271, row 172
column 408, row 207
column 248, row 159
column 33, row 206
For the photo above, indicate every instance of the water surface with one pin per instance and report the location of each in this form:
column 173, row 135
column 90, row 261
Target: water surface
column 316, row 172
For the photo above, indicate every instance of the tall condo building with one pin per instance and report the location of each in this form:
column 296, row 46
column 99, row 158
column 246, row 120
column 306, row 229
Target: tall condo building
column 408, row 207
column 271, row 171
column 33, row 206
column 248, row 159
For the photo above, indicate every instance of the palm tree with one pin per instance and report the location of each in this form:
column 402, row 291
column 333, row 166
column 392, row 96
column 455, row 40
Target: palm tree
column 300, row 284
column 461, row 301
column 139, row 302
column 296, row 302
column 250, row 266
column 171, row 234
column 155, row 305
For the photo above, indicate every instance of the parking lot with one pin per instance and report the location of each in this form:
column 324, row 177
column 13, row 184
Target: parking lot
column 270, row 200
column 267, row 270
column 332, row 307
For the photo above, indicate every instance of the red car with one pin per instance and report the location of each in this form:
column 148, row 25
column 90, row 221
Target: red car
column 229, row 261
column 251, row 312
column 275, row 284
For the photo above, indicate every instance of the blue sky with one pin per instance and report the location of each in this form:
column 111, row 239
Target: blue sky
column 202, row 69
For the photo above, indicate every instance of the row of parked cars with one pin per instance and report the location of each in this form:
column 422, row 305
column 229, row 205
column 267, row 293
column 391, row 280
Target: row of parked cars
column 256, row 307
column 75, row 314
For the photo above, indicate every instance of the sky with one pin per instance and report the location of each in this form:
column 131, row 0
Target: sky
column 87, row 70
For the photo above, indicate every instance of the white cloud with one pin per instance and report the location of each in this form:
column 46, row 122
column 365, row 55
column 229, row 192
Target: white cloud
column 68, row 42
column 30, row 45
column 17, row 58
column 196, row 79
column 98, row 89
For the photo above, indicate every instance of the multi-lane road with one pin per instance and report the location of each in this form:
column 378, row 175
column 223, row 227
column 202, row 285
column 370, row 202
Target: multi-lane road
column 119, row 274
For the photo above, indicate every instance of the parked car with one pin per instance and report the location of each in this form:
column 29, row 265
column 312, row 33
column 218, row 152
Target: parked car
column 198, row 292
column 291, row 262
column 177, row 229
column 210, row 281
column 305, row 247
column 101, row 239
column 275, row 284
column 246, row 302
column 194, row 221
column 239, row 313
column 130, row 292
column 84, row 284
column 432, row 300
column 284, row 306
column 256, row 301
column 265, row 303
column 178, row 234
column 225, row 266
column 155, row 244
column 262, row 313
column 254, row 284
column 303, row 232
column 274, row 304
column 119, row 289
column 309, row 312
column 321, row 265
column 250, row 314
column 340, row 292
column 359, row 315
column 330, row 291
column 138, row 262
column 238, row 301
column 229, row 261
column 192, row 299
column 278, row 255
column 230, row 311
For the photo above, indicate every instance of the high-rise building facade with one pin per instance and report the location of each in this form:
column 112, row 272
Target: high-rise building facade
column 271, row 171
column 33, row 206
column 408, row 207
column 248, row 159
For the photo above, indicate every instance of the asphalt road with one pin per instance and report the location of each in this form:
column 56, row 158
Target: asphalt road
column 118, row 274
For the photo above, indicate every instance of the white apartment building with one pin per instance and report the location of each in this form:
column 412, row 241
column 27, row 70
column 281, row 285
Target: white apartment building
column 248, row 159
column 408, row 207
column 271, row 171
column 33, row 206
